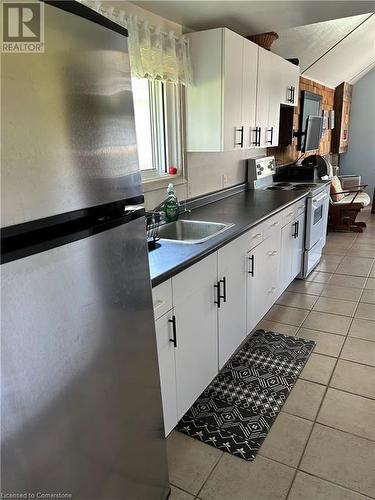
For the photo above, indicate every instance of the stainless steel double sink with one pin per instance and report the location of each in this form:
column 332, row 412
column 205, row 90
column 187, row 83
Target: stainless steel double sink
column 191, row 231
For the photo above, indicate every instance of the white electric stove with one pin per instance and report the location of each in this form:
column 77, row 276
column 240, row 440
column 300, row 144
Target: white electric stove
column 260, row 176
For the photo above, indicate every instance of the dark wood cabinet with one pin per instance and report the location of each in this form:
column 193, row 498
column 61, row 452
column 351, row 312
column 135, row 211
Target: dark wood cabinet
column 342, row 103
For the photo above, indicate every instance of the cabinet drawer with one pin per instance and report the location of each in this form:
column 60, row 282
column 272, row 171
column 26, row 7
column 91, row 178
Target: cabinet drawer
column 162, row 298
column 272, row 224
column 255, row 236
column 300, row 207
column 288, row 215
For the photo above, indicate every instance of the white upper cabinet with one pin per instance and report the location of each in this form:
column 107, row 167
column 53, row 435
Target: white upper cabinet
column 220, row 105
column 204, row 98
column 289, row 82
column 268, row 99
column 234, row 102
column 249, row 90
column 233, row 130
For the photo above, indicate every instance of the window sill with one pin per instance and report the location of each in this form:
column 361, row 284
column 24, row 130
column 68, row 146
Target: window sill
column 154, row 182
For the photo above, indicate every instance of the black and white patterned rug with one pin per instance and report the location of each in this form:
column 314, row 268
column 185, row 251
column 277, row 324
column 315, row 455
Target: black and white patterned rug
column 238, row 408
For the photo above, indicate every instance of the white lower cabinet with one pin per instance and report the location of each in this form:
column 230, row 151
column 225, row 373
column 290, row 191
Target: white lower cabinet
column 299, row 246
column 255, row 277
column 292, row 246
column 271, row 270
column 196, row 330
column 231, row 289
column 167, row 369
column 204, row 313
column 263, row 278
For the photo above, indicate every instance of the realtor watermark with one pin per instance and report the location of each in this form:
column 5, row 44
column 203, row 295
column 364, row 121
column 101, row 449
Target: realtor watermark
column 22, row 27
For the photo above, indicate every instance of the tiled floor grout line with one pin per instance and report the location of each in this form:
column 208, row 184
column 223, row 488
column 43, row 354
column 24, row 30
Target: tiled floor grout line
column 335, row 484
column 341, row 430
column 343, row 359
column 337, row 389
column 182, row 489
column 322, row 401
column 209, row 475
column 313, row 475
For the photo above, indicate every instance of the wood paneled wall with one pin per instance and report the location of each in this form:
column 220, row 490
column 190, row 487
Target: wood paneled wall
column 287, row 154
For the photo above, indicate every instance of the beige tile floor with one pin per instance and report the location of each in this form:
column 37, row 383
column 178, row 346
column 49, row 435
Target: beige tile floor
column 322, row 444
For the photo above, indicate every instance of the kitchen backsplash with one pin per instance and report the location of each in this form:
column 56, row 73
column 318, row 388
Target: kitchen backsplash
column 208, row 172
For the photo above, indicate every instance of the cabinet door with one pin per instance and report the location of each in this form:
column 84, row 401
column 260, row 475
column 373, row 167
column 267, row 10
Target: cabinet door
column 287, row 249
column 232, row 86
column 271, row 134
column 289, row 82
column 254, row 297
column 196, row 328
column 268, row 98
column 298, row 246
column 232, row 274
column 263, row 93
column 167, row 369
column 249, row 92
column 204, row 113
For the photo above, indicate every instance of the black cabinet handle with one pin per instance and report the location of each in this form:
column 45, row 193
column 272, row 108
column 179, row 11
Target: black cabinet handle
column 217, row 286
column 257, row 131
column 270, row 130
column 224, row 282
column 241, row 141
column 297, row 228
column 291, row 94
column 251, row 259
column 295, row 234
column 174, row 331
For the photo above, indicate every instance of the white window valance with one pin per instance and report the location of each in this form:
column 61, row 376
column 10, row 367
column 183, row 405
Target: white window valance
column 154, row 54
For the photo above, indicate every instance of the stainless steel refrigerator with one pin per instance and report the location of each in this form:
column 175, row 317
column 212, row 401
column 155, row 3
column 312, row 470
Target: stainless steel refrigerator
column 80, row 395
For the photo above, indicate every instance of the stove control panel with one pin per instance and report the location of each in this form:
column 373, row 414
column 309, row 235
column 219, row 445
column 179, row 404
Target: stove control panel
column 258, row 168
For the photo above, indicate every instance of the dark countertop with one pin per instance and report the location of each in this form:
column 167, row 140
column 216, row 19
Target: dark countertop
column 245, row 210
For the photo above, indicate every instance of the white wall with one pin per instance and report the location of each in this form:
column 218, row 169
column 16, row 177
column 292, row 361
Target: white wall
column 360, row 158
column 205, row 171
column 204, row 174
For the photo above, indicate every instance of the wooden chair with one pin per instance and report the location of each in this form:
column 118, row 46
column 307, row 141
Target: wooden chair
column 343, row 213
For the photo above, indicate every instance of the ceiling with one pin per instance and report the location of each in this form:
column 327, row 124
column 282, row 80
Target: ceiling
column 333, row 51
column 248, row 17
column 334, row 40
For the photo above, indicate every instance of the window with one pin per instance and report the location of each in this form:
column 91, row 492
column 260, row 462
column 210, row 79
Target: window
column 157, row 110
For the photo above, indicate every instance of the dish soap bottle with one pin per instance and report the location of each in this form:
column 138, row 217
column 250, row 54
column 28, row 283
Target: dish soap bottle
column 171, row 207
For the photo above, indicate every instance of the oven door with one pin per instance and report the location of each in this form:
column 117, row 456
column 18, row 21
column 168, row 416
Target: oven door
column 317, row 215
